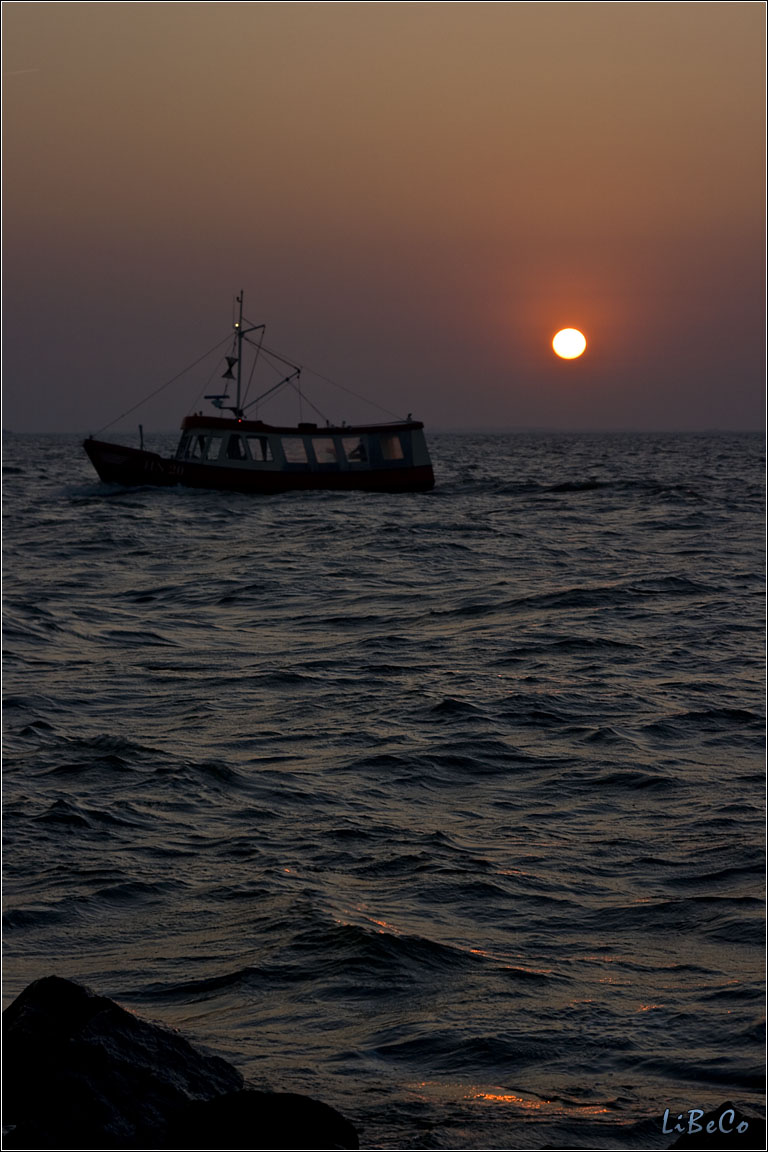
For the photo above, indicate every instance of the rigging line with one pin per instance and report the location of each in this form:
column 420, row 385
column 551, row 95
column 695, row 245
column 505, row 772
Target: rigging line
column 167, row 384
column 279, row 356
column 320, row 376
column 357, row 395
column 274, row 388
column 272, row 368
column 336, row 384
column 306, row 400
column 267, row 357
column 267, row 360
column 253, row 366
column 207, row 384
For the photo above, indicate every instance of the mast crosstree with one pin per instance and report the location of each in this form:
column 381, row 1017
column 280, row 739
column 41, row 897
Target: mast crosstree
column 236, row 361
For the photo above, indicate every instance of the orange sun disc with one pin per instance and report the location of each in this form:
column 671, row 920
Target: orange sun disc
column 569, row 343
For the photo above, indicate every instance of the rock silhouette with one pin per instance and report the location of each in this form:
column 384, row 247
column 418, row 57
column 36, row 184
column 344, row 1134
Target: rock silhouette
column 80, row 1071
column 254, row 1119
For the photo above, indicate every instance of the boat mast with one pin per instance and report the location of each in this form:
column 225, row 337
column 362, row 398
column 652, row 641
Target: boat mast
column 239, row 330
column 218, row 401
column 241, row 334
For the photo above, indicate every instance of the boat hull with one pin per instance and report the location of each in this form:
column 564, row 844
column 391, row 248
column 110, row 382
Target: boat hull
column 132, row 467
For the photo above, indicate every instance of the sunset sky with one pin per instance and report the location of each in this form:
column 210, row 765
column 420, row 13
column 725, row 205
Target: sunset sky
column 414, row 197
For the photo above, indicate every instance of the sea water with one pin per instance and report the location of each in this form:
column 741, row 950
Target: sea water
column 443, row 808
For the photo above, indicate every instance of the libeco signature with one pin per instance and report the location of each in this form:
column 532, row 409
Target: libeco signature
column 725, row 1122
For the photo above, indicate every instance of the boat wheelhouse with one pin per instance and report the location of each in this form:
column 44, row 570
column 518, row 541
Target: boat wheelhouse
column 251, row 456
column 239, row 454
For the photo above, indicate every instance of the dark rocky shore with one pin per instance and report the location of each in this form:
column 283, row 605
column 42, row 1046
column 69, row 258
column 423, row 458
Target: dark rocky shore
column 82, row 1072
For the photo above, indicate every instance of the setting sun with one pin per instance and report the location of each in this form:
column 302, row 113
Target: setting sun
column 569, row 343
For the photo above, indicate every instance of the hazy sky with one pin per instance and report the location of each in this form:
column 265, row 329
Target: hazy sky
column 414, row 197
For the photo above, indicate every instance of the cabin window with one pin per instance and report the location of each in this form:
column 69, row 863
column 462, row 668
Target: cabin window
column 391, row 448
column 260, row 449
column 214, row 448
column 294, row 449
column 196, row 448
column 235, row 448
column 325, row 449
column 181, row 451
column 354, row 449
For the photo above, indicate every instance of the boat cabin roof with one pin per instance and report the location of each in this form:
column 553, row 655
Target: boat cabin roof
column 232, row 424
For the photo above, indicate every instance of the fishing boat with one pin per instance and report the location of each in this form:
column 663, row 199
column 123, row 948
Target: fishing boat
column 239, row 454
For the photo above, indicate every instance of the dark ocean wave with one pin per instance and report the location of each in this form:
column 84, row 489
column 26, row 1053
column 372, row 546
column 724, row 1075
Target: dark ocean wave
column 81, row 815
column 445, row 809
column 709, row 720
column 725, row 1073
column 191, row 991
column 449, row 1055
column 582, row 598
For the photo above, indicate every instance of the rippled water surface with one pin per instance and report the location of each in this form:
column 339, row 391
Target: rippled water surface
column 443, row 808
